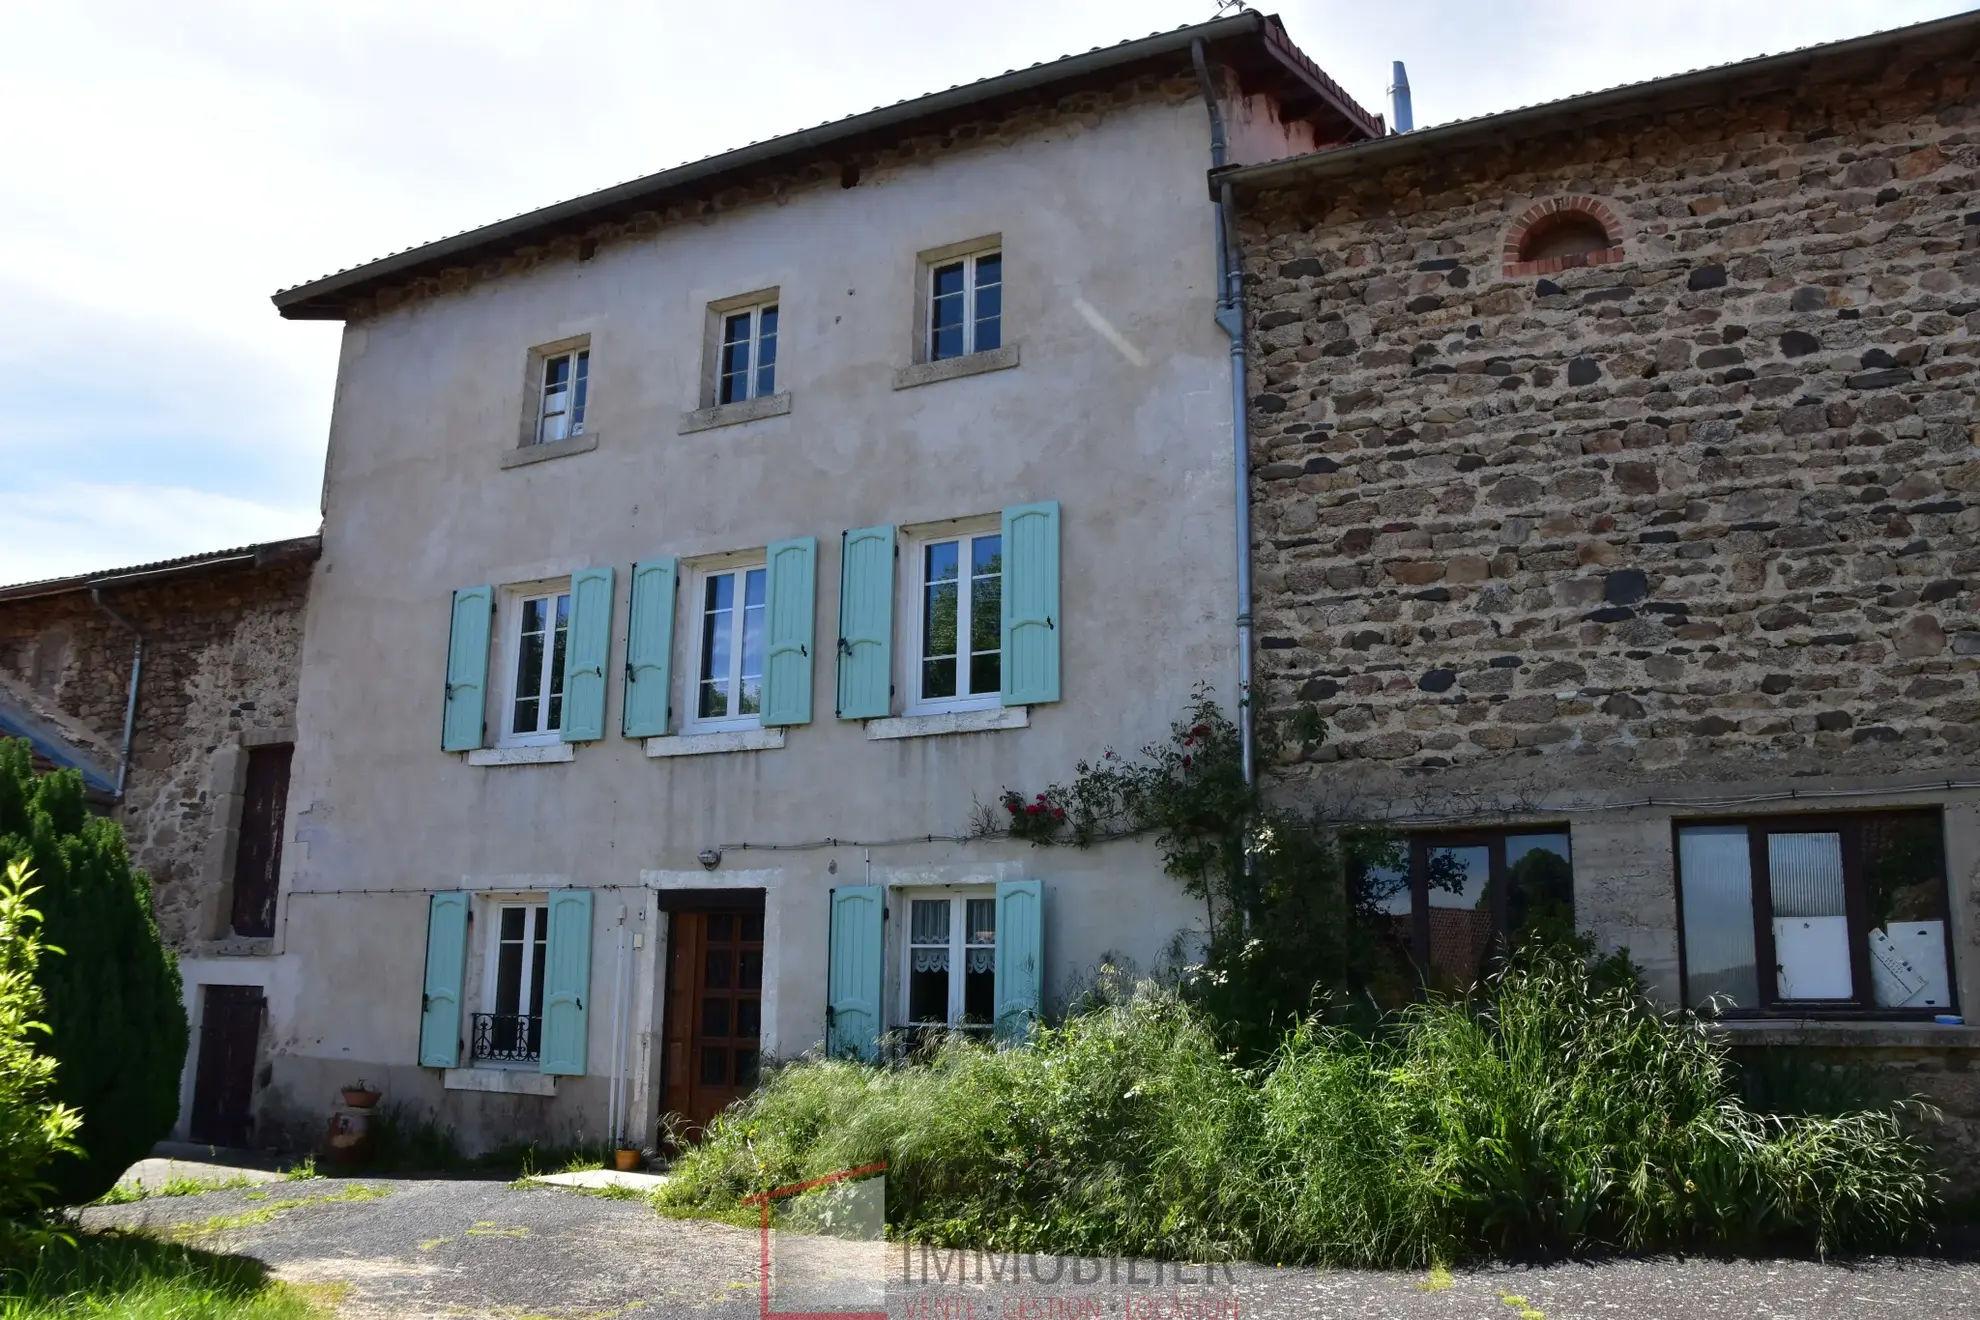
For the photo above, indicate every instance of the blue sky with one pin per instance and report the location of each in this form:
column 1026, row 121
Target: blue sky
column 171, row 166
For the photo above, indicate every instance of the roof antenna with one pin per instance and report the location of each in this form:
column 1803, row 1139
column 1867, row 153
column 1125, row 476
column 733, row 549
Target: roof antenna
column 1225, row 7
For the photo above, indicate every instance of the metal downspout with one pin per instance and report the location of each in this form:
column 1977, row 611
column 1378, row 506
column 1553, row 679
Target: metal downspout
column 130, row 701
column 1230, row 318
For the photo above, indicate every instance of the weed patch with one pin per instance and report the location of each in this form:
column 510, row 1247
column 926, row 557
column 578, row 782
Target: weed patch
column 1552, row 1115
column 263, row 1213
column 130, row 1276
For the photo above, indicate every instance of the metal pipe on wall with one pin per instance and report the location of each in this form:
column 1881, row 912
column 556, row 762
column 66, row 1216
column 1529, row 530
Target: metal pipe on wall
column 130, row 700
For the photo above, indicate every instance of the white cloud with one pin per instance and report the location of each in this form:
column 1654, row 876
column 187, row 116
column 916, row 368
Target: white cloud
column 78, row 527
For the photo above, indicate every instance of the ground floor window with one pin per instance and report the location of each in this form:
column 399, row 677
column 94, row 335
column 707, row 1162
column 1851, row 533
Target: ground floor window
column 1827, row 913
column 512, row 1030
column 950, row 977
column 1455, row 902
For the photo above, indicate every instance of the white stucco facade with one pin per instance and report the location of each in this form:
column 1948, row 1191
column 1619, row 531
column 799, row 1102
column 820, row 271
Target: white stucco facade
column 1117, row 407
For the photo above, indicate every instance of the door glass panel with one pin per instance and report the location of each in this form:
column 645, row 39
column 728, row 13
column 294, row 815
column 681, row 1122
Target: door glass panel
column 746, row 1063
column 715, row 1017
column 1460, row 914
column 720, row 927
column 1717, row 873
column 749, row 969
column 750, row 928
column 714, row 1065
column 1540, row 888
column 1811, row 925
column 749, row 1018
column 1904, row 880
column 716, row 969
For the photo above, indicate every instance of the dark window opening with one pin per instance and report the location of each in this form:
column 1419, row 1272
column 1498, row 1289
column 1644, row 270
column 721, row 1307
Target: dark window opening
column 258, row 853
column 1563, row 234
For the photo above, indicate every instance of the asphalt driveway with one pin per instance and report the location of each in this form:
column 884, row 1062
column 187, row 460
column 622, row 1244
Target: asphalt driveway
column 456, row 1248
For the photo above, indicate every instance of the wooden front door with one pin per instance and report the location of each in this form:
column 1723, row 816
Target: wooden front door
column 258, row 855
column 714, row 1010
column 223, row 1084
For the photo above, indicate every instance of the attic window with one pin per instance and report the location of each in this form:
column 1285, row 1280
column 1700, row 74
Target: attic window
column 1561, row 233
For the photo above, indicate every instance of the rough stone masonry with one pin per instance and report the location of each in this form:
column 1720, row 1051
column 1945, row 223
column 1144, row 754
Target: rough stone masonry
column 1707, row 510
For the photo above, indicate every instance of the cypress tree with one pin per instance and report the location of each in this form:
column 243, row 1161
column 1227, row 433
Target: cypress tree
column 116, row 1018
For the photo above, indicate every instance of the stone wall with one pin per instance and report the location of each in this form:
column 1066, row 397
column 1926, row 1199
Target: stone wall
column 219, row 671
column 1711, row 510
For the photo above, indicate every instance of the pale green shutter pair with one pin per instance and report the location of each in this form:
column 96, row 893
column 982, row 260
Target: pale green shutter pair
column 566, row 982
column 856, row 978
column 587, row 650
column 791, row 591
column 1030, row 622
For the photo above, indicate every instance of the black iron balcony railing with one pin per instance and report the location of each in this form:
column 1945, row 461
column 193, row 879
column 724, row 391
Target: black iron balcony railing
column 507, row 1038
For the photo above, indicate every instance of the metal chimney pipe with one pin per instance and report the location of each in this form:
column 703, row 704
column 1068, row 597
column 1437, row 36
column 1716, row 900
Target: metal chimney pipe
column 1399, row 113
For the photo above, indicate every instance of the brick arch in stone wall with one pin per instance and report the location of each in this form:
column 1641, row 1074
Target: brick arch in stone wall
column 1592, row 231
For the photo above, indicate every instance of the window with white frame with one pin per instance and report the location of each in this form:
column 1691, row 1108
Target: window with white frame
column 965, row 305
column 957, row 657
column 729, row 599
column 747, row 368
column 538, row 623
column 950, row 972
column 561, row 395
column 511, row 1031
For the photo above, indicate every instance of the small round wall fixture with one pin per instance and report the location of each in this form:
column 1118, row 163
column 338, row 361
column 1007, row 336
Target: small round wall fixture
column 1561, row 233
column 710, row 858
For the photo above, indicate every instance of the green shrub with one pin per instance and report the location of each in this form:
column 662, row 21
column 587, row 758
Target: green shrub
column 117, row 1023
column 1554, row 1115
column 33, row 1128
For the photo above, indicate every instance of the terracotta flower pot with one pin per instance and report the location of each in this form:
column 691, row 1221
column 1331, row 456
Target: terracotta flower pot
column 626, row 1160
column 357, row 1099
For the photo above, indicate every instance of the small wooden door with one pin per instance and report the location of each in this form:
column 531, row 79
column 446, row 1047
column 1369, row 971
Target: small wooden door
column 223, row 1084
column 258, row 855
column 714, row 1010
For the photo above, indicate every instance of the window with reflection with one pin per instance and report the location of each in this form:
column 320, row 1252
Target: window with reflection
column 1820, row 913
column 1455, row 904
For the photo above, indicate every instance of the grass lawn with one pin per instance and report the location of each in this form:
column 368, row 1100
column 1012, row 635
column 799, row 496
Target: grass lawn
column 128, row 1276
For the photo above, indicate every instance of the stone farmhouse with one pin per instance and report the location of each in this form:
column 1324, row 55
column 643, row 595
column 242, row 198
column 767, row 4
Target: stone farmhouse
column 1617, row 481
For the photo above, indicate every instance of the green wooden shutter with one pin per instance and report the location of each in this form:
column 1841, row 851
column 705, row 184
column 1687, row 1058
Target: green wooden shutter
column 446, row 964
column 467, row 669
column 649, row 649
column 566, row 982
column 853, row 986
column 793, row 584
column 1020, row 956
column 1031, row 604
column 587, row 649
column 866, row 624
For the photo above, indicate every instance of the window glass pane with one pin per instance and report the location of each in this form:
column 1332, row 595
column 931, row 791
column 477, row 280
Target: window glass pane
column 716, row 966
column 1540, row 894
column 751, row 684
column 989, row 274
column 986, row 673
column 539, row 948
column 938, row 619
column 734, row 369
column 928, row 987
column 766, row 352
column 721, row 927
column 554, row 680
column 556, row 400
column 945, row 320
column 986, row 613
column 579, row 391
column 980, row 922
column 529, row 666
column 509, row 965
column 715, row 1017
column 928, row 921
column 1904, row 879
column 749, row 1018
column 989, row 303
column 750, row 927
column 1811, row 925
column 980, row 990
column 1717, row 874
column 714, row 1065
column 1460, row 914
column 749, row 968
column 718, row 599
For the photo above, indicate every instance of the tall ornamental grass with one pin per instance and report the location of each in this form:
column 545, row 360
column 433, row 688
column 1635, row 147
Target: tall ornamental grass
column 1550, row 1116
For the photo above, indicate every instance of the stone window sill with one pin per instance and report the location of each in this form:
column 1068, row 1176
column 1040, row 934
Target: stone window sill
column 524, row 455
column 954, row 721
column 734, row 414
column 973, row 364
column 706, row 744
column 240, row 946
column 542, row 754
column 1846, row 1033
column 500, row 1081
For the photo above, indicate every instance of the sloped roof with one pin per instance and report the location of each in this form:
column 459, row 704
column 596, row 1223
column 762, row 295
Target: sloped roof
column 1696, row 87
column 1253, row 44
column 300, row 548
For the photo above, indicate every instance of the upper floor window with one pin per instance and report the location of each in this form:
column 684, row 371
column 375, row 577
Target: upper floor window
column 561, row 399
column 957, row 655
column 1816, row 913
column 748, row 367
column 965, row 305
column 537, row 633
column 730, row 600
